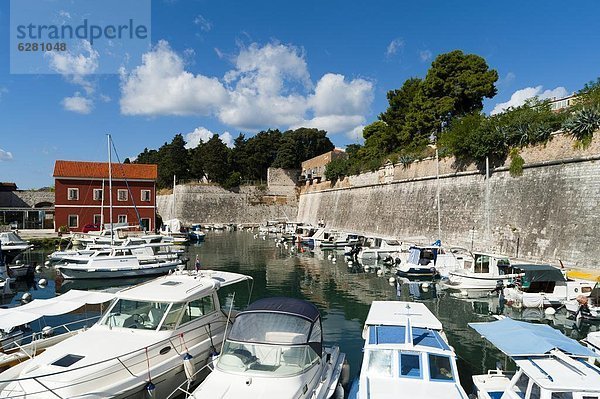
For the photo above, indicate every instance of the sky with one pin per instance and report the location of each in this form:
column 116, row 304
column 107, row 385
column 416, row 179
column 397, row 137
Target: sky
column 233, row 67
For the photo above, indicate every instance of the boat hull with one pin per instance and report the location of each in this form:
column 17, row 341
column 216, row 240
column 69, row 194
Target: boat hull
column 74, row 273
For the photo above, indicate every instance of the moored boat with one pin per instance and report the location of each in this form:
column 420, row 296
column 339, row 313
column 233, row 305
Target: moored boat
column 142, row 344
column 275, row 350
column 549, row 364
column 406, row 354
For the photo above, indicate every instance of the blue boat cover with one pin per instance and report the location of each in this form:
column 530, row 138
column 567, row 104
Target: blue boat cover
column 293, row 306
column 519, row 338
column 397, row 335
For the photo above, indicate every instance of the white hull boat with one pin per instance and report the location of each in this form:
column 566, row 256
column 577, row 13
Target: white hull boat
column 431, row 261
column 406, row 354
column 486, row 272
column 118, row 262
column 549, row 364
column 544, row 286
column 275, row 350
column 143, row 344
column 12, row 245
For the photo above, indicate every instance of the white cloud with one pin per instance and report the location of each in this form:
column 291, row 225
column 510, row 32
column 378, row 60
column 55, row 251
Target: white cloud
column 334, row 95
column 78, row 104
column 519, row 97
column 5, row 155
column 161, row 86
column 269, row 86
column 356, row 134
column 75, row 65
column 104, row 98
column 204, row 24
column 394, row 46
column 425, row 55
column 202, row 134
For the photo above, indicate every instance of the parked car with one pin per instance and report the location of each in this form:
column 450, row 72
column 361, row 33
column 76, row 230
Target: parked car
column 91, row 227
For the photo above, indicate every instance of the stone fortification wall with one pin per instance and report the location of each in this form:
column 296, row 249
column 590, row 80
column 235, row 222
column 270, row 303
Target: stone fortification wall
column 205, row 203
column 551, row 213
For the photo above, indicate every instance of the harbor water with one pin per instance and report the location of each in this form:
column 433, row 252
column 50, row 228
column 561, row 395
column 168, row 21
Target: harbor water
column 342, row 292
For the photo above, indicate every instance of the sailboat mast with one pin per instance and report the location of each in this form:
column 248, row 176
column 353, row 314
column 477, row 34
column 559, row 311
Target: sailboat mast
column 112, row 230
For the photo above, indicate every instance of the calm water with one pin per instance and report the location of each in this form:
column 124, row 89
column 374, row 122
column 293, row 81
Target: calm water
column 342, row 293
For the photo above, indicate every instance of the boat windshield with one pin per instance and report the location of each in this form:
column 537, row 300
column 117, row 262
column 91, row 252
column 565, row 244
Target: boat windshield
column 143, row 315
column 274, row 328
column 267, row 342
column 274, row 360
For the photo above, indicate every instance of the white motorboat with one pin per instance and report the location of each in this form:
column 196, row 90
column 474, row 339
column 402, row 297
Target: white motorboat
column 275, row 350
column 142, row 345
column 171, row 230
column 118, row 262
column 17, row 347
column 543, row 286
column 431, row 260
column 406, row 354
column 381, row 248
column 549, row 364
column 485, row 272
column 12, row 245
column 340, row 240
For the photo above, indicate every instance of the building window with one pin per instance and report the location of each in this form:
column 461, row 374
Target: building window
column 122, row 195
column 122, row 219
column 145, row 223
column 73, row 221
column 98, row 194
column 73, row 194
column 146, row 195
column 98, row 219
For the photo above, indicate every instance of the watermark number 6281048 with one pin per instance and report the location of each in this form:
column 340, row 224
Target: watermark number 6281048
column 42, row 46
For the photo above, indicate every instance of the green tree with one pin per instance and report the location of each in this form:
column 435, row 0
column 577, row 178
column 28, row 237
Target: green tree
column 260, row 153
column 336, row 169
column 457, row 83
column 299, row 145
column 215, row 157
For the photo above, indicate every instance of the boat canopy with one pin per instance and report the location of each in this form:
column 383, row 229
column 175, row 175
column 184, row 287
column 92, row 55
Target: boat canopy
column 535, row 273
column 181, row 286
column 518, row 339
column 9, row 237
column 38, row 308
column 395, row 313
column 422, row 255
column 292, row 306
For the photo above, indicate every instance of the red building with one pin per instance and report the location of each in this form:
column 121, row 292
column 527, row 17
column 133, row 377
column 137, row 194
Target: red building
column 82, row 194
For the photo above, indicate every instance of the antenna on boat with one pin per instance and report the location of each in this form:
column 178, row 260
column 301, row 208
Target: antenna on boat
column 408, row 337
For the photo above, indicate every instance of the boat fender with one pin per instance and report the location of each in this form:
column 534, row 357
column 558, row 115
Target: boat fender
column 47, row 331
column 550, row 311
column 391, row 280
column 345, row 375
column 334, row 260
column 188, row 366
column 42, row 283
column 150, row 390
column 38, row 269
column 379, row 272
column 26, row 297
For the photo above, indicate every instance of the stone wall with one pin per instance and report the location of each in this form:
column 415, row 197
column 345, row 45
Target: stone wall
column 205, row 203
column 25, row 198
column 551, row 213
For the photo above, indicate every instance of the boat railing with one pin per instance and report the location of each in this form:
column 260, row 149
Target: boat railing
column 184, row 387
column 135, row 363
column 37, row 336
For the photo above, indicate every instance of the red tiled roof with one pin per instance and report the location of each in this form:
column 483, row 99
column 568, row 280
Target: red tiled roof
column 99, row 170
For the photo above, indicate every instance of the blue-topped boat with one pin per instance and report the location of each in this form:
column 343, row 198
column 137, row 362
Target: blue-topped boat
column 549, row 364
column 406, row 355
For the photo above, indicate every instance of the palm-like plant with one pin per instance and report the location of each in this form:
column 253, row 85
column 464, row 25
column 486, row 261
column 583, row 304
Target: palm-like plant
column 583, row 123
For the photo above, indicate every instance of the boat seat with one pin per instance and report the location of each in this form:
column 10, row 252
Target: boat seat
column 282, row 337
column 268, row 355
column 155, row 315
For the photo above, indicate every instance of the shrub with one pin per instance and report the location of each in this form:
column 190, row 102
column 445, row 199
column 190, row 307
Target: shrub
column 516, row 163
column 582, row 124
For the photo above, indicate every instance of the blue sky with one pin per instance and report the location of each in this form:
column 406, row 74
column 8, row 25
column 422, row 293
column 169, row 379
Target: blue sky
column 241, row 66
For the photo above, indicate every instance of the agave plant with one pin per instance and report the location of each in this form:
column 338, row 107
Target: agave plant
column 583, row 123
